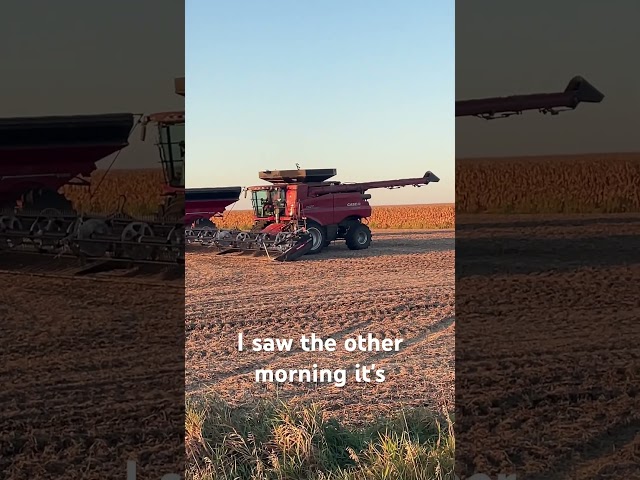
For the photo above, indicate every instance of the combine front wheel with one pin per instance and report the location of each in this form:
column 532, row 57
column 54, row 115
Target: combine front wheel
column 318, row 237
column 358, row 237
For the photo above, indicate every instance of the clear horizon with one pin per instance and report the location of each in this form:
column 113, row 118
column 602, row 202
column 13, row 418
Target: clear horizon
column 364, row 87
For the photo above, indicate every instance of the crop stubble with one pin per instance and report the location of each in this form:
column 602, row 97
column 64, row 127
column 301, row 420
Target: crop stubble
column 411, row 217
column 401, row 287
column 88, row 383
column 547, row 375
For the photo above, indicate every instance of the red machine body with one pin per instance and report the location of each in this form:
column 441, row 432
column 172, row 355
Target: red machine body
column 203, row 203
column 46, row 153
column 331, row 210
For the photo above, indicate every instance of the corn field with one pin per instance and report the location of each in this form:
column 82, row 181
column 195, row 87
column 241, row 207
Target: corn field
column 137, row 191
column 597, row 183
column 416, row 217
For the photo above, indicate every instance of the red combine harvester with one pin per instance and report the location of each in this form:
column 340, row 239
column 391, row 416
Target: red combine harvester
column 40, row 155
column 302, row 212
column 577, row 91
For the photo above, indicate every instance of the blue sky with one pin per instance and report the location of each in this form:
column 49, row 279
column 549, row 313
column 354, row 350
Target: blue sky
column 366, row 87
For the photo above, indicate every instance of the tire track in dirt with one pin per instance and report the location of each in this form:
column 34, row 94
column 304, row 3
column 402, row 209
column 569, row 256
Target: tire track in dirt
column 547, row 361
column 336, row 294
column 87, row 383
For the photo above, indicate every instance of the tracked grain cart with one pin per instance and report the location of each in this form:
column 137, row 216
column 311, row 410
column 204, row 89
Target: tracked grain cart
column 577, row 91
column 302, row 212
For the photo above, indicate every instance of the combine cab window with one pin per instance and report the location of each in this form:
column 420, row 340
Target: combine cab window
column 259, row 198
column 267, row 202
column 172, row 153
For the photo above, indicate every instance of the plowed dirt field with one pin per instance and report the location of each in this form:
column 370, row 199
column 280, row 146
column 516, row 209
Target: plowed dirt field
column 547, row 358
column 402, row 286
column 92, row 377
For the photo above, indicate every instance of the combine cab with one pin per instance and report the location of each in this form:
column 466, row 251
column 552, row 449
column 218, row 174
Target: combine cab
column 170, row 139
column 302, row 212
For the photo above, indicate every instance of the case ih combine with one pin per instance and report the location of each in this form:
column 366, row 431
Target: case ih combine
column 40, row 155
column 302, row 212
column 577, row 91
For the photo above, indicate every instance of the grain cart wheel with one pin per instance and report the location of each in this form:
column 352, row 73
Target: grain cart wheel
column 358, row 237
column 318, row 237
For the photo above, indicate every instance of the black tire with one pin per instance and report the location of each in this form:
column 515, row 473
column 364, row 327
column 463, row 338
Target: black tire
column 318, row 234
column 358, row 237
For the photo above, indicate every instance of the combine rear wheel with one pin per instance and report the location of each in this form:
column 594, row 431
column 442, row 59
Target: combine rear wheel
column 358, row 237
column 318, row 237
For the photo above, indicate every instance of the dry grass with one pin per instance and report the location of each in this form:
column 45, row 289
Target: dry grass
column 597, row 183
column 277, row 441
column 410, row 217
column 140, row 190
